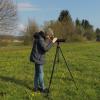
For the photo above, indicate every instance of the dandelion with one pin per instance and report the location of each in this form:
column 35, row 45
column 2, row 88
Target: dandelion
column 33, row 94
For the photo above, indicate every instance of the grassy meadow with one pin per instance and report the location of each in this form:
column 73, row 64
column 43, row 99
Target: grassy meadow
column 16, row 73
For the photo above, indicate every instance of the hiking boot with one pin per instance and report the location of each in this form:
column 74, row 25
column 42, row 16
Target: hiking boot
column 44, row 90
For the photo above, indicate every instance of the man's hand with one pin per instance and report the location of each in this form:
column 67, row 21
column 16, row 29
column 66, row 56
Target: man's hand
column 54, row 40
column 50, row 37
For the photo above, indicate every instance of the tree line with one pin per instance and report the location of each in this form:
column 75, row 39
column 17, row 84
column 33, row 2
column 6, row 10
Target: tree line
column 65, row 27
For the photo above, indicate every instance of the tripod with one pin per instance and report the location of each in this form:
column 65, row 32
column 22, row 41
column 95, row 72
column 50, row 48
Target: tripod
column 58, row 50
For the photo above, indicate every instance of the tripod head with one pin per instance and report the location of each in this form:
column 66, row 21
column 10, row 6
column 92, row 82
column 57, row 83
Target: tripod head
column 61, row 40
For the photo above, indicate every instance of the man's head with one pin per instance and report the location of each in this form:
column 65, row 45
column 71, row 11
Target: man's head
column 49, row 32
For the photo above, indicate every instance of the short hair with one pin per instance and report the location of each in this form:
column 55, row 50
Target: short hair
column 49, row 31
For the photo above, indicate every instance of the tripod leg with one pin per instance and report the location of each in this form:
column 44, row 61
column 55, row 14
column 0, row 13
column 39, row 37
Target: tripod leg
column 53, row 69
column 58, row 55
column 68, row 68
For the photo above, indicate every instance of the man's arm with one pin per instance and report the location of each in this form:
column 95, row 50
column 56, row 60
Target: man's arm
column 45, row 47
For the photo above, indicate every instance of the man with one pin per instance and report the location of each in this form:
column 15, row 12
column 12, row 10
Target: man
column 42, row 43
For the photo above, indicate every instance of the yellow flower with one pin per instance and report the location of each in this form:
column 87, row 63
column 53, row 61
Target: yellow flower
column 33, row 94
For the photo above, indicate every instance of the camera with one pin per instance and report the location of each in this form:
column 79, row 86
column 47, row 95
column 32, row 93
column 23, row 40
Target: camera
column 61, row 40
column 58, row 40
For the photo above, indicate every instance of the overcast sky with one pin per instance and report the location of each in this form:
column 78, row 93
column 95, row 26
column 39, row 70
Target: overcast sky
column 45, row 10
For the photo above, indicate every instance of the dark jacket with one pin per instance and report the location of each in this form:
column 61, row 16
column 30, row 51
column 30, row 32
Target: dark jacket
column 40, row 47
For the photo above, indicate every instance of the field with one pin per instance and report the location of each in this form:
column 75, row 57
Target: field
column 16, row 73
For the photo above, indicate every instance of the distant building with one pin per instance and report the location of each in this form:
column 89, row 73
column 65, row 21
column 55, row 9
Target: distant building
column 10, row 39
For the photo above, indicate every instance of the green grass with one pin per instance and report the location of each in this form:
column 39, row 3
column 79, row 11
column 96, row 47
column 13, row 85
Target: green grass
column 16, row 73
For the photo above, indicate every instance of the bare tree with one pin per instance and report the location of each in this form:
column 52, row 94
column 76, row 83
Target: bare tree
column 8, row 16
column 29, row 31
